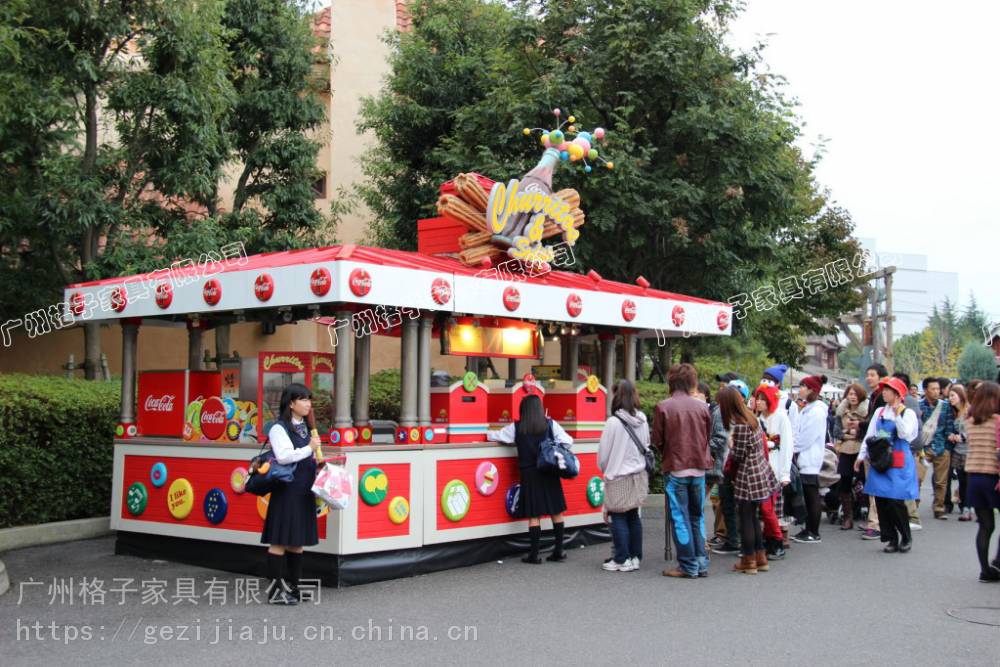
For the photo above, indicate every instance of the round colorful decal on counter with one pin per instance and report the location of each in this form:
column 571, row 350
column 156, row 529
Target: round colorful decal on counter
column 215, row 506
column 180, row 498
column 238, row 479
column 487, row 478
column 233, row 431
column 593, row 384
column 262, row 502
column 320, row 281
column 212, row 418
column 322, row 509
column 399, row 510
column 595, row 492
column 374, row 486
column 230, row 407
column 513, row 501
column 470, row 381
column 136, row 498
column 455, row 500
column 158, row 474
column 428, row 434
column 350, row 435
column 414, row 435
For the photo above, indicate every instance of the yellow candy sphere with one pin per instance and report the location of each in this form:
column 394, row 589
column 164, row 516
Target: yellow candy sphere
column 610, row 165
column 575, row 152
column 526, row 131
column 572, row 119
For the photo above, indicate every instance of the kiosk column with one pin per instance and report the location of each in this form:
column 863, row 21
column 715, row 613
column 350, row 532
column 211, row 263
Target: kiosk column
column 342, row 379
column 362, row 377
column 424, row 378
column 130, row 344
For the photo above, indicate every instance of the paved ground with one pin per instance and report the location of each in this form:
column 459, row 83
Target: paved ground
column 842, row 602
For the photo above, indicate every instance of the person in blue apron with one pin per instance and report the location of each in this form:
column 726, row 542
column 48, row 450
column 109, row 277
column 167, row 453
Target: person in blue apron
column 291, row 512
column 898, row 483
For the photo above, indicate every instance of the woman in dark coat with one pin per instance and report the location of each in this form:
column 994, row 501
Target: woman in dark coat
column 291, row 513
column 541, row 494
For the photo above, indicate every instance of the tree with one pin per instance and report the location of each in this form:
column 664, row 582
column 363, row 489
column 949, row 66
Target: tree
column 907, row 355
column 708, row 196
column 973, row 321
column 977, row 362
column 122, row 133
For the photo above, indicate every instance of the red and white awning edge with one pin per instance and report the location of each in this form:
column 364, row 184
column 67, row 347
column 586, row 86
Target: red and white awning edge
column 369, row 283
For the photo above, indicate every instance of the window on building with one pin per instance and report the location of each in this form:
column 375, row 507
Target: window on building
column 319, row 186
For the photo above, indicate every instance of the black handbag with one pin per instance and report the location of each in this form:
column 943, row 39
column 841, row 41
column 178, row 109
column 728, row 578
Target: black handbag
column 645, row 452
column 262, row 483
column 555, row 458
column 879, row 452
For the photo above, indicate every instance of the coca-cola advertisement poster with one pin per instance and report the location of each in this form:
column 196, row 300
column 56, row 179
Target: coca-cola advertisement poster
column 161, row 403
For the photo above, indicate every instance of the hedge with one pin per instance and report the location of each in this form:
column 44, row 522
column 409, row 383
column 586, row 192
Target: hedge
column 55, row 448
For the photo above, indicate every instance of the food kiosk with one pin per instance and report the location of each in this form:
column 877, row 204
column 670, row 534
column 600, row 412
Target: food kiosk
column 440, row 496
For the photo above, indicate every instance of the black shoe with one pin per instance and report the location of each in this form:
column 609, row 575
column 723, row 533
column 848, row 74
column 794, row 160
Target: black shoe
column 777, row 553
column 905, row 547
column 989, row 577
column 556, row 557
column 533, row 560
column 891, row 549
column 805, row 537
column 703, row 574
column 726, row 550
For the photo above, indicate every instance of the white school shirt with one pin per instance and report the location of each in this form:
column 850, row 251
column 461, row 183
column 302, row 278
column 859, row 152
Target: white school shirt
column 506, row 434
column 284, row 451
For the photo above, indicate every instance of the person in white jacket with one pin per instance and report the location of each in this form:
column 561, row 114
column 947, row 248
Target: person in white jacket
column 621, row 456
column 810, row 445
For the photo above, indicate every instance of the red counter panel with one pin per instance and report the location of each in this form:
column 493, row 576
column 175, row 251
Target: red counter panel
column 373, row 520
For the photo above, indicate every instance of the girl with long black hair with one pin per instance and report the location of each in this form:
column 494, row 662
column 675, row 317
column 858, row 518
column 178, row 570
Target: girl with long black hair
column 291, row 514
column 541, row 494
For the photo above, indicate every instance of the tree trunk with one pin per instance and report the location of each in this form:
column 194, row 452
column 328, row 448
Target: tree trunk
column 92, row 350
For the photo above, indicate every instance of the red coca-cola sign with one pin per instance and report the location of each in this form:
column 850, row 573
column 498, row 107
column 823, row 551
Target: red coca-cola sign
column 574, row 305
column 677, row 315
column 212, row 291
column 213, row 418
column 164, row 295
column 628, row 310
column 441, row 291
column 263, row 287
column 360, row 282
column 119, row 299
column 722, row 320
column 76, row 303
column 511, row 298
column 164, row 403
column 320, row 281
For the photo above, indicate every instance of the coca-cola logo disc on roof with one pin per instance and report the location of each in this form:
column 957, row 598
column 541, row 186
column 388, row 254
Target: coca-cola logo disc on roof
column 360, row 282
column 320, row 281
column 263, row 287
column 628, row 310
column 677, row 315
column 212, row 291
column 213, row 418
column 76, row 303
column 441, row 291
column 722, row 320
column 164, row 295
column 574, row 305
column 511, row 298
column 119, row 299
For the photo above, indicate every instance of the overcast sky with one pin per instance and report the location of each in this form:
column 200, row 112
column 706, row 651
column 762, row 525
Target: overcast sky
column 905, row 93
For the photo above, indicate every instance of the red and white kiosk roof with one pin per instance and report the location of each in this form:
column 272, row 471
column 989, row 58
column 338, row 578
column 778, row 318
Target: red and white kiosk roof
column 375, row 276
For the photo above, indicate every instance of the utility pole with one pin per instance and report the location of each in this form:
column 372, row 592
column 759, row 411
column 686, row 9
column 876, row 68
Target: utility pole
column 889, row 362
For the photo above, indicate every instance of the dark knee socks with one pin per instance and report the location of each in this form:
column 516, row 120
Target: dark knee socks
column 294, row 569
column 535, row 535
column 275, row 572
column 559, row 531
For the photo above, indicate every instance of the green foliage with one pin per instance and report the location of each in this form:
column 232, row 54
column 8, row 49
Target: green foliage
column 706, row 171
column 384, row 394
column 55, row 448
column 977, row 362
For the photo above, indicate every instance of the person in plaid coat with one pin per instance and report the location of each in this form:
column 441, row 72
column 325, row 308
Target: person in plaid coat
column 753, row 479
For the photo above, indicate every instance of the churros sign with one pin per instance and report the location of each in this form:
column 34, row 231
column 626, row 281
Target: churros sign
column 274, row 359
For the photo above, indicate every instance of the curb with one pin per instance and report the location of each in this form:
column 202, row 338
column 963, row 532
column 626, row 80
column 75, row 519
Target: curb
column 4, row 580
column 51, row 533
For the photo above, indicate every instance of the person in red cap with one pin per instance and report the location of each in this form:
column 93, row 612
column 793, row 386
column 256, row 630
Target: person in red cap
column 810, row 446
column 898, row 483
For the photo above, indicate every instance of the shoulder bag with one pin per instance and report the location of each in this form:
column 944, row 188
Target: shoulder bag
column 645, row 452
column 555, row 458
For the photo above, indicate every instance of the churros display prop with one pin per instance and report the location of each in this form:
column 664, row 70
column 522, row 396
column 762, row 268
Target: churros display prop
column 513, row 220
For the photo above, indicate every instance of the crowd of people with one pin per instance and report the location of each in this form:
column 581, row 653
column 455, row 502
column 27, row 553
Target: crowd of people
column 766, row 462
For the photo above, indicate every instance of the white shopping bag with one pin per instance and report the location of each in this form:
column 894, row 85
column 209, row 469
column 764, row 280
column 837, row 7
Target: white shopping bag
column 334, row 485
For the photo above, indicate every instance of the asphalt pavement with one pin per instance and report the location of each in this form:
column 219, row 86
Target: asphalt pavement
column 841, row 602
